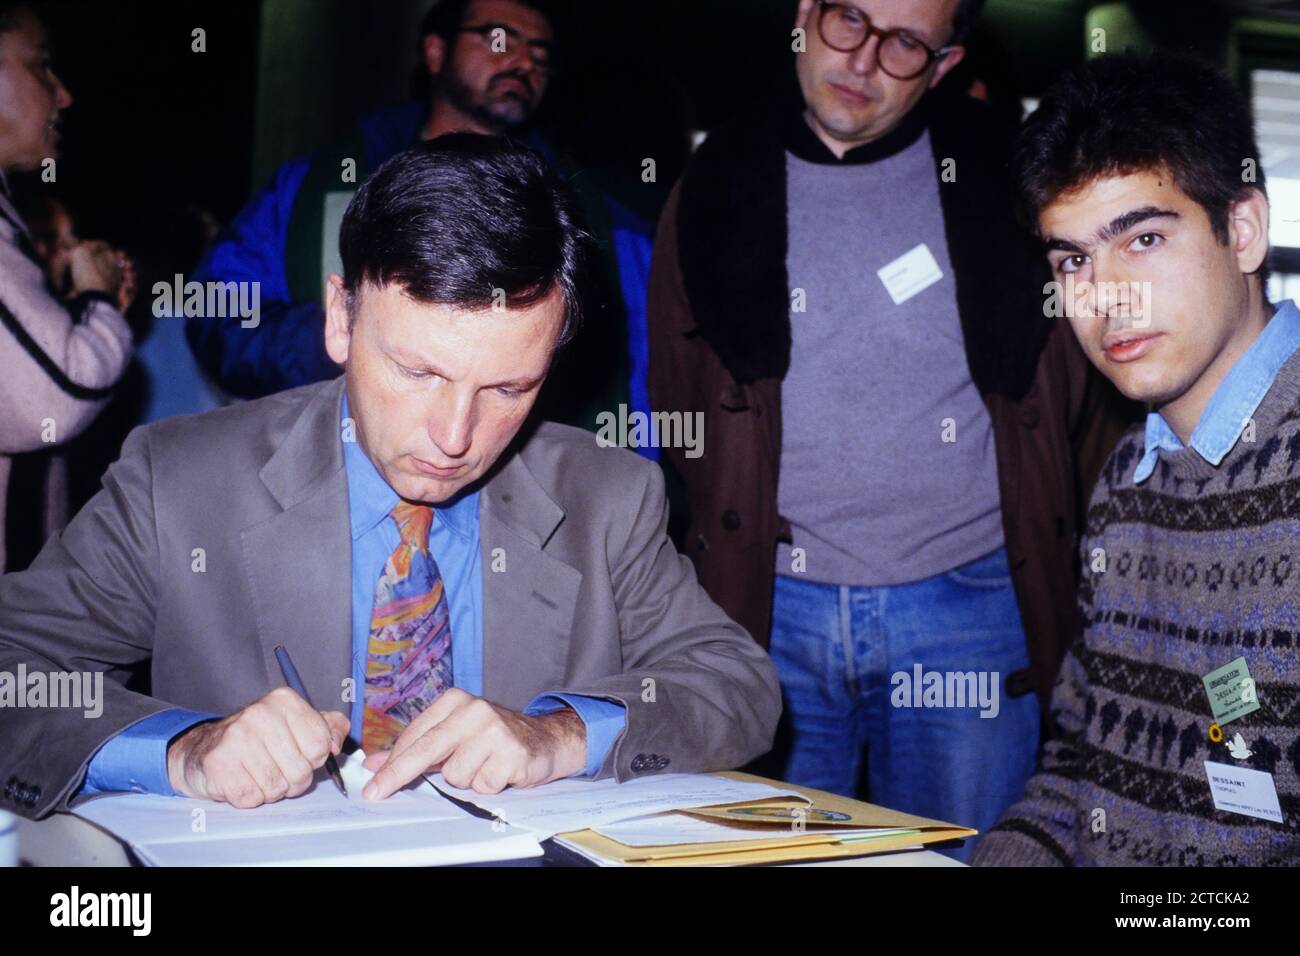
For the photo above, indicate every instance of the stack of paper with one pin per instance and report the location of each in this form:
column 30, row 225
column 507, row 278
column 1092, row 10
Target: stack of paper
column 724, row 819
column 815, row 825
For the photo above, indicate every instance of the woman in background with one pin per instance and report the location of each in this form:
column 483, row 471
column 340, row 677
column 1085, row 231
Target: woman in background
column 58, row 359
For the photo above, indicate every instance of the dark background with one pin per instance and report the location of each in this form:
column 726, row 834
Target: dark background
column 163, row 144
column 157, row 126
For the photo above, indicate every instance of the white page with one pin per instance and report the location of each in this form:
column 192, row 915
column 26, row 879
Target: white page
column 152, row 818
column 579, row 804
column 322, row 820
column 666, row 829
column 444, row 842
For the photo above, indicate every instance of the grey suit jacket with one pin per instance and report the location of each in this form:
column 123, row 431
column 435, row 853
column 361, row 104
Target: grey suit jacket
column 593, row 598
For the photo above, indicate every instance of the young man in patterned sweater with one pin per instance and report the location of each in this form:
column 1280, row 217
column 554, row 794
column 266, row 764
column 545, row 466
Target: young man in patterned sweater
column 1178, row 710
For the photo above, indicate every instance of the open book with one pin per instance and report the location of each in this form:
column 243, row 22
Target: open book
column 416, row 826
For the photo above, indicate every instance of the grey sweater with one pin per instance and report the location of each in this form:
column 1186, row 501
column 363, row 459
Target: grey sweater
column 1201, row 567
column 888, row 471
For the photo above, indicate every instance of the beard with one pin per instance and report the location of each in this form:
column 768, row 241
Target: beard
column 500, row 113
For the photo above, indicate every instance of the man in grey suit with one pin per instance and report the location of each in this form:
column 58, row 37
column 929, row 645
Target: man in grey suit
column 491, row 599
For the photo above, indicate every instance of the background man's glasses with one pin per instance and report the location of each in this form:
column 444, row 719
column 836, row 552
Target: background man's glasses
column 543, row 53
column 900, row 53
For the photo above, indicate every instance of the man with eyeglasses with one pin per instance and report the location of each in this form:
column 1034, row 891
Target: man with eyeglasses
column 490, row 63
column 886, row 493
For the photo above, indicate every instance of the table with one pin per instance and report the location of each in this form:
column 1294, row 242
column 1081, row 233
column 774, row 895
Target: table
column 62, row 839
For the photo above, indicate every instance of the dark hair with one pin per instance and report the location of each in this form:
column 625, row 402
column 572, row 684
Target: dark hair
column 447, row 16
column 9, row 10
column 964, row 20
column 1125, row 113
column 455, row 218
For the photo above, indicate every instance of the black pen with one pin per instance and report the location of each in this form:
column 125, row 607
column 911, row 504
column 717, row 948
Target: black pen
column 293, row 680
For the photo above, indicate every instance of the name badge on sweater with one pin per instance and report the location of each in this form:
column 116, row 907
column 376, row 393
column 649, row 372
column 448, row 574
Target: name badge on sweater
column 1231, row 691
column 1248, row 792
column 910, row 273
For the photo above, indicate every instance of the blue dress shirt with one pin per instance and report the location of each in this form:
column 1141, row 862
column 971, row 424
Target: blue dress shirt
column 136, row 758
column 1234, row 401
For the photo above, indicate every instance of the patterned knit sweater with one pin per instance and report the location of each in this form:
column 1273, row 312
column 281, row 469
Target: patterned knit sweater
column 1202, row 566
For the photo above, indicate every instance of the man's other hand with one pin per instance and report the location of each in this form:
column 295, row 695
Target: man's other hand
column 480, row 746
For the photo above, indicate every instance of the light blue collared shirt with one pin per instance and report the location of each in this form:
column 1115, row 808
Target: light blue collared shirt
column 1234, row 401
column 136, row 759
column 454, row 544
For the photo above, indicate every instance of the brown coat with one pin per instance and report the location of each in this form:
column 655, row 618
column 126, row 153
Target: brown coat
column 731, row 488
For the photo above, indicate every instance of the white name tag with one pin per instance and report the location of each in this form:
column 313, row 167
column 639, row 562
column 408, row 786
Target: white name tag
column 910, row 273
column 1238, row 790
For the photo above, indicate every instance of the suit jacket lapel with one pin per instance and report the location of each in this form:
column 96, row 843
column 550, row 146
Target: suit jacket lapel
column 529, row 595
column 299, row 561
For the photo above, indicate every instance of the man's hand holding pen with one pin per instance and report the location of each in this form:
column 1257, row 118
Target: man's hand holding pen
column 262, row 753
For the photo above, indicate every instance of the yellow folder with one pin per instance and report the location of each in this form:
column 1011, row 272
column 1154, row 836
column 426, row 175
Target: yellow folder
column 823, row 817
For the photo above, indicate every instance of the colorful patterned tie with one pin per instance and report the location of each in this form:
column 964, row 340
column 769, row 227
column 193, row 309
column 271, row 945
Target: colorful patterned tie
column 408, row 660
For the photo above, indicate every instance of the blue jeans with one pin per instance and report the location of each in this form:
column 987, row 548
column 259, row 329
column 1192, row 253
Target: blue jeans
column 847, row 659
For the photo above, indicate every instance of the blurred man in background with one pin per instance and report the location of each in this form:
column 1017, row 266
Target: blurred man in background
column 490, row 63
